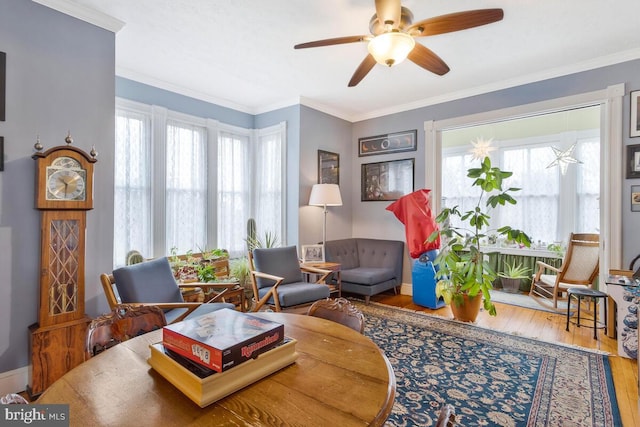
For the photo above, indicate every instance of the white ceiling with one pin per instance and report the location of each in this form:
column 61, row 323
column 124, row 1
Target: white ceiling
column 240, row 53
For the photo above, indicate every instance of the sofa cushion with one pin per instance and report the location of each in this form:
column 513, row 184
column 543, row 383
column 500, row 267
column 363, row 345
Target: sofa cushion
column 298, row 293
column 368, row 275
column 343, row 251
column 150, row 281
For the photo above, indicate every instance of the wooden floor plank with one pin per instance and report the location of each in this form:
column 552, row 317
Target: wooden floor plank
column 550, row 327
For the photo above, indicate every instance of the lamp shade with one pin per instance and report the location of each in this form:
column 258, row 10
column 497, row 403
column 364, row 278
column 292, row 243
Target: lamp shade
column 325, row 195
column 391, row 48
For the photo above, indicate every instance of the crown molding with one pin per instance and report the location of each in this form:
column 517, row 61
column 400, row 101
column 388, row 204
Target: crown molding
column 84, row 13
column 591, row 64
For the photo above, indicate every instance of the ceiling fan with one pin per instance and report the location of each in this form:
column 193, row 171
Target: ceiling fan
column 393, row 34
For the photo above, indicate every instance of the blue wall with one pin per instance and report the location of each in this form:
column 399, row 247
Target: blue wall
column 59, row 77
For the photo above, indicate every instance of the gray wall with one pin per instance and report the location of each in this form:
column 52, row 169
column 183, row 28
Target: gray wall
column 371, row 219
column 59, row 77
column 320, row 131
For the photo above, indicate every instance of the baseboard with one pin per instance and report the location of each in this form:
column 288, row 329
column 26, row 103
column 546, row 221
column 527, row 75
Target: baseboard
column 406, row 289
column 14, row 381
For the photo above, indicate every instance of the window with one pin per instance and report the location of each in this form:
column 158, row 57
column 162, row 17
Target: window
column 250, row 185
column 551, row 204
column 186, row 187
column 132, row 186
column 194, row 185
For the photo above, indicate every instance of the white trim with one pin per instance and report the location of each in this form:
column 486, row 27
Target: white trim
column 84, row 13
column 14, row 381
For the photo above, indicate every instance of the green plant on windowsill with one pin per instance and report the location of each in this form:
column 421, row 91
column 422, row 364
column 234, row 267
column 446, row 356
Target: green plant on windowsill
column 464, row 276
column 512, row 276
column 514, row 271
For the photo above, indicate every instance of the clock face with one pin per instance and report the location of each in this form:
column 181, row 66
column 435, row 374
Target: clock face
column 66, row 180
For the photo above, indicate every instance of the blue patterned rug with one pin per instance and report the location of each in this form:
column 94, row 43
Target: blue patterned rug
column 491, row 378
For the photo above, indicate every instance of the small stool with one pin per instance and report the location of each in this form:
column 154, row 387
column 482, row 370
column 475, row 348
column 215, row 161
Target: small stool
column 588, row 293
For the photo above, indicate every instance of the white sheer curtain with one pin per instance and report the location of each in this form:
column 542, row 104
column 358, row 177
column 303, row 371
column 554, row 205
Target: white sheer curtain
column 186, row 192
column 538, row 200
column 132, row 196
column 268, row 189
column 234, row 191
column 549, row 205
column 456, row 187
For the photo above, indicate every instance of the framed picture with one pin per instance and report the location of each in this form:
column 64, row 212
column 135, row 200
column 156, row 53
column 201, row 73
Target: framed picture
column 387, row 180
column 635, row 198
column 635, row 117
column 312, row 253
column 633, row 161
column 3, row 84
column 328, row 167
column 389, row 143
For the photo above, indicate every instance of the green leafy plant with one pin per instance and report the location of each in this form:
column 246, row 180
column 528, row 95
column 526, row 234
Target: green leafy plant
column 514, row 271
column 462, row 268
column 269, row 240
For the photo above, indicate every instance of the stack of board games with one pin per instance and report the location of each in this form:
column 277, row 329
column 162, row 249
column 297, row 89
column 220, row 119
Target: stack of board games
column 211, row 356
column 222, row 339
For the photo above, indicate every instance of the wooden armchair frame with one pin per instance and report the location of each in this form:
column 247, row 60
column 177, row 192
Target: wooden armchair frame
column 565, row 275
column 273, row 292
column 108, row 283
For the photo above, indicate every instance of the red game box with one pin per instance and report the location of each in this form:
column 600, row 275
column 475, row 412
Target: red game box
column 222, row 339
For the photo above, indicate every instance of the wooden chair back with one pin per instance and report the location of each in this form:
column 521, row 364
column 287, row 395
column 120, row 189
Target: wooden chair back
column 108, row 286
column 339, row 310
column 581, row 262
column 124, row 322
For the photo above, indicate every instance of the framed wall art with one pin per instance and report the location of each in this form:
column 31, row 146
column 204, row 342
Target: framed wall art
column 3, row 84
column 328, row 167
column 633, row 161
column 389, row 143
column 635, row 116
column 635, row 198
column 387, row 180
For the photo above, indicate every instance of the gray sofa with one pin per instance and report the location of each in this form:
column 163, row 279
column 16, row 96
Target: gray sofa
column 368, row 266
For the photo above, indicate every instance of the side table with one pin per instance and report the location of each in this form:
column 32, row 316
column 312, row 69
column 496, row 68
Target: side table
column 333, row 266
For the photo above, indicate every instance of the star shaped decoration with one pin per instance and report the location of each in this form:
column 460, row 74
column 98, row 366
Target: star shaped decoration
column 481, row 148
column 563, row 158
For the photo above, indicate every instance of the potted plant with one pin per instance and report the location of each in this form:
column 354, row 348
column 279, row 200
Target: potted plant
column 465, row 277
column 512, row 275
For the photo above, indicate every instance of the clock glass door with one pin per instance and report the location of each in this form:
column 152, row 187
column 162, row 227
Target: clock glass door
column 62, row 298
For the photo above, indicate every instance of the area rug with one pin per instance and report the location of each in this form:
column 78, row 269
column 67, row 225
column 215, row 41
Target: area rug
column 491, row 378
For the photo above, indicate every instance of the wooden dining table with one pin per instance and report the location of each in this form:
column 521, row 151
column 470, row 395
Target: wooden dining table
column 340, row 378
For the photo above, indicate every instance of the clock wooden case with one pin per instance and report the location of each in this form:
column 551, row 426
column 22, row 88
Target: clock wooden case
column 64, row 192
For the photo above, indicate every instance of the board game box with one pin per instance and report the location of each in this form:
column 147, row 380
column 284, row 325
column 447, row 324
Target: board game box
column 222, row 339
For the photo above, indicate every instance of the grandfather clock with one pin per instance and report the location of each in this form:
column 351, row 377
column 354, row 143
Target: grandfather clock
column 64, row 193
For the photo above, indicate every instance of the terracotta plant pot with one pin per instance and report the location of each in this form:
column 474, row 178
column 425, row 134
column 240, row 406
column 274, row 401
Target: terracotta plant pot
column 468, row 310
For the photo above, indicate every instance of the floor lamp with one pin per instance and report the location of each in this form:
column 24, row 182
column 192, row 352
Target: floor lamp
column 325, row 195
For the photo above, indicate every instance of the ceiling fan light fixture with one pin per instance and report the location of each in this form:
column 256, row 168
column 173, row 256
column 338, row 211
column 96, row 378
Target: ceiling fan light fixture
column 391, row 48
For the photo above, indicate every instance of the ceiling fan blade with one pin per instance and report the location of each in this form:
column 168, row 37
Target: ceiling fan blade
column 362, row 70
column 330, row 42
column 455, row 22
column 388, row 11
column 428, row 60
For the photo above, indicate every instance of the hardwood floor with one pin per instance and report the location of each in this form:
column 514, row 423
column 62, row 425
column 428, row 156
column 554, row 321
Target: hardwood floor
column 551, row 327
